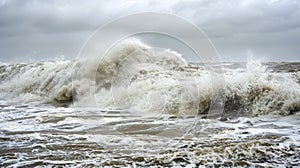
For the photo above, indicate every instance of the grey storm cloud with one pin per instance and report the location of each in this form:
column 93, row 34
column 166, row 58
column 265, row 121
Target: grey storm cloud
column 35, row 29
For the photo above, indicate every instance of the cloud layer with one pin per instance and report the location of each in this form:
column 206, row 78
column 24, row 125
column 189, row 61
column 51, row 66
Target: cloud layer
column 34, row 29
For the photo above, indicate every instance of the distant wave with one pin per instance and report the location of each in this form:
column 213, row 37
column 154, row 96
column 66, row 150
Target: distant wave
column 136, row 77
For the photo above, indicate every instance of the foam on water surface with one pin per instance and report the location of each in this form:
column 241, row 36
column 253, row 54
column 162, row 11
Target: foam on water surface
column 43, row 135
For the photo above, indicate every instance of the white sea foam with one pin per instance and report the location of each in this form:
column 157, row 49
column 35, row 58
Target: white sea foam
column 136, row 77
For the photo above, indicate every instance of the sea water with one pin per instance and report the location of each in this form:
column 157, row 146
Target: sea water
column 139, row 107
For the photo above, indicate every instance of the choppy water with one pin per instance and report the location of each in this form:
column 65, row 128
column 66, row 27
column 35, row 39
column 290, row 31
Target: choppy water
column 141, row 108
column 39, row 135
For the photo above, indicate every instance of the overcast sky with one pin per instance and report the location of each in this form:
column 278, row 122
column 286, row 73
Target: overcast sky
column 268, row 30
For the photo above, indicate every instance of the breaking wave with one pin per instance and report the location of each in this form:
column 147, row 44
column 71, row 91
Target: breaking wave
column 136, row 77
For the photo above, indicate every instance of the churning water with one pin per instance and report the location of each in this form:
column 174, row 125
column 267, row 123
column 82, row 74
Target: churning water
column 139, row 107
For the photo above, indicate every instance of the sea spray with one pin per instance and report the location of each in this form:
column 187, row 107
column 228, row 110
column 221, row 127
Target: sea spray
column 136, row 77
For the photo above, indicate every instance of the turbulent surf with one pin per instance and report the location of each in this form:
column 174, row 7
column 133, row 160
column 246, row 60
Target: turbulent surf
column 120, row 109
column 138, row 78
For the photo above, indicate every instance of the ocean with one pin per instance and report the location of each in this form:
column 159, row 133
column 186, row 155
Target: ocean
column 142, row 107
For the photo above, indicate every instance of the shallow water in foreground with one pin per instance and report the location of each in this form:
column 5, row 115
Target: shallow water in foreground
column 47, row 136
